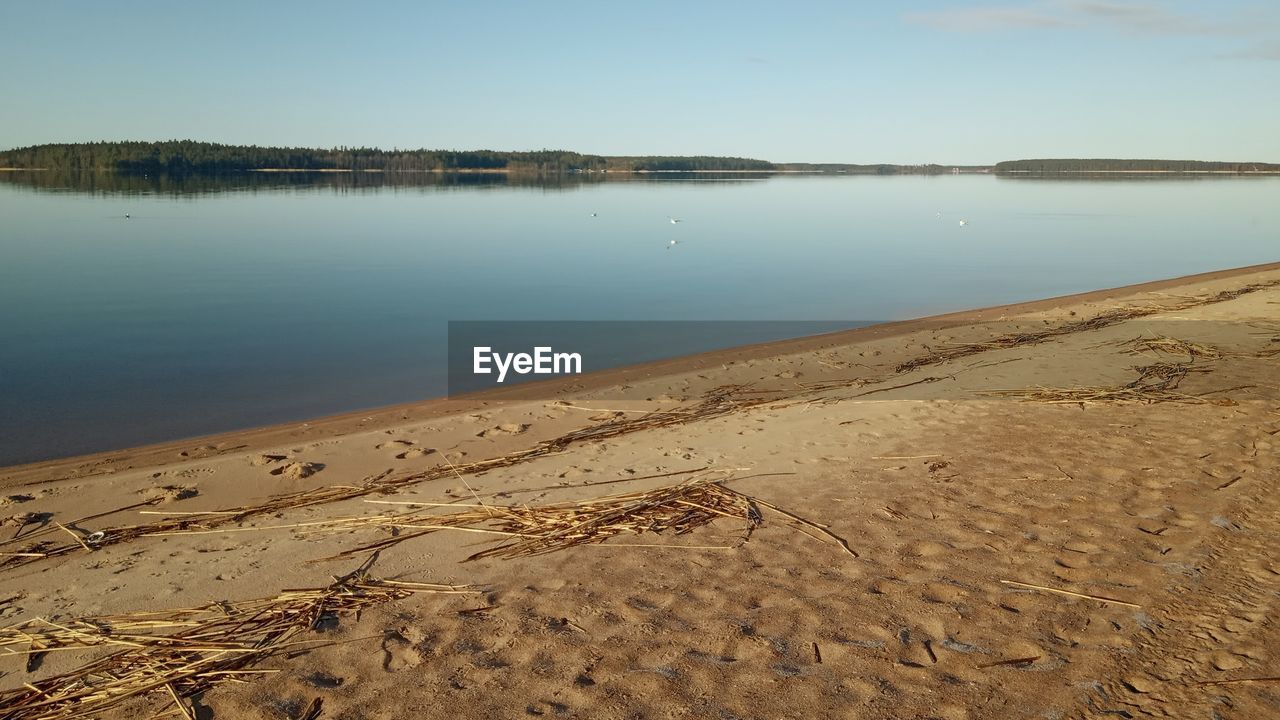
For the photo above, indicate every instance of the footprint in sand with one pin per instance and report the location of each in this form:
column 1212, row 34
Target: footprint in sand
column 394, row 445
column 171, row 493
column 22, row 520
column 666, row 398
column 205, row 451
column 298, row 470
column 400, row 648
column 504, row 429
column 267, row 459
column 417, row 452
column 324, row 680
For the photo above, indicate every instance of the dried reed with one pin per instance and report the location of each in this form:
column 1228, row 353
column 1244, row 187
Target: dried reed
column 1173, row 346
column 181, row 652
column 1097, row 322
column 49, row 542
column 1193, row 350
column 536, row 530
column 1156, row 383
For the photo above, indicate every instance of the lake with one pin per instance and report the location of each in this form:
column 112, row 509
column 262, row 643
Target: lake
column 222, row 303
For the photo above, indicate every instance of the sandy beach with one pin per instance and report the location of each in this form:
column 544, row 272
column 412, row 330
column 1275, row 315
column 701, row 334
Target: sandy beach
column 1058, row 509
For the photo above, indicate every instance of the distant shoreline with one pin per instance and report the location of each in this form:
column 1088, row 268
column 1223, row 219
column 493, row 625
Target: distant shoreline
column 191, row 156
column 1138, row 172
column 263, row 437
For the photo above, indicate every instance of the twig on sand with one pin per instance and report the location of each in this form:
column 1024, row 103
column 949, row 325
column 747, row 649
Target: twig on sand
column 1056, row 591
column 178, row 701
column 1011, row 661
column 921, row 381
column 77, row 537
column 820, row 528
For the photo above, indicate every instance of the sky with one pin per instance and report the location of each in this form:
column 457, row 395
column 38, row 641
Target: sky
column 863, row 82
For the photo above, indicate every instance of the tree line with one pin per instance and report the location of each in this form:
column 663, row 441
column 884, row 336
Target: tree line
column 1135, row 166
column 189, row 156
column 178, row 157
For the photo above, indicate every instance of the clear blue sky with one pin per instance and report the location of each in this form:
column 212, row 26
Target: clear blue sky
column 951, row 82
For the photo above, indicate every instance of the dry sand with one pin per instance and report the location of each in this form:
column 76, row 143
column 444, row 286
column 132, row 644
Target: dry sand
column 1014, row 558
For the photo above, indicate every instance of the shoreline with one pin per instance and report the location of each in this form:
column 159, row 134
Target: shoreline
column 328, row 426
column 982, row 507
column 1137, row 172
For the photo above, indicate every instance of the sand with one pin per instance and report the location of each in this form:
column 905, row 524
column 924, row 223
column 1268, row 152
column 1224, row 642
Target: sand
column 1014, row 558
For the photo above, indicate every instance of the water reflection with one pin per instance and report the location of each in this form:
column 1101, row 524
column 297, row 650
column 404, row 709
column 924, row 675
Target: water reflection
column 236, row 300
column 116, row 183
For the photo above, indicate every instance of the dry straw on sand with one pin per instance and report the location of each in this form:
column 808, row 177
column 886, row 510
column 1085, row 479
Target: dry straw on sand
column 1097, row 322
column 1156, row 383
column 48, row 541
column 1162, row 344
column 535, row 530
column 182, row 652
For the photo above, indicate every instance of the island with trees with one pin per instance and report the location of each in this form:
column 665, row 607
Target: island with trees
column 1100, row 166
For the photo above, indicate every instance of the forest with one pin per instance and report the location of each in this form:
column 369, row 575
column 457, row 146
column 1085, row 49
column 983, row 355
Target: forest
column 1049, row 166
column 188, row 156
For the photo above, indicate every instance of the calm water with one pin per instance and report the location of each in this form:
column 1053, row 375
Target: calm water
column 222, row 304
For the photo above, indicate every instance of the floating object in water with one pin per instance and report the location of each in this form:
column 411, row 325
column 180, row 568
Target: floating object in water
column 672, row 243
column 675, row 220
column 126, row 216
column 963, row 223
column 593, row 215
